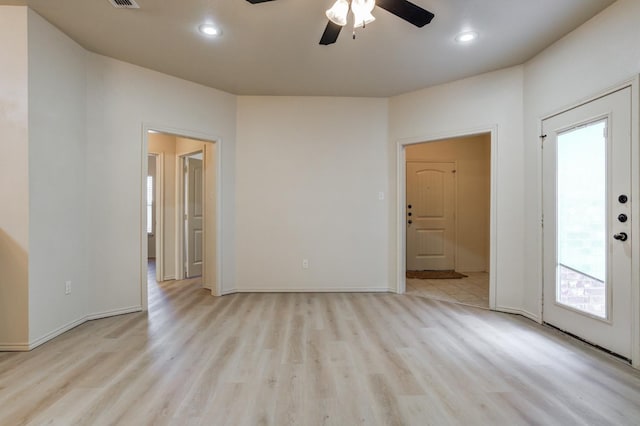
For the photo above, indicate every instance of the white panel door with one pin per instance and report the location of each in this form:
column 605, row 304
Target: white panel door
column 194, row 208
column 586, row 224
column 430, row 216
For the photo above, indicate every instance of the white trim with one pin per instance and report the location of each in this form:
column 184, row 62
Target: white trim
column 144, row 246
column 216, row 290
column 63, row 329
column 24, row 347
column 635, row 224
column 539, row 280
column 114, row 312
column 159, row 228
column 401, row 235
column 316, row 290
column 55, row 333
column 226, row 292
column 522, row 312
column 180, row 268
column 160, row 217
column 401, row 203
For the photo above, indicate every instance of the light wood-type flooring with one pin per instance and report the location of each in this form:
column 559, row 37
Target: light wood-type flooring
column 472, row 290
column 314, row 359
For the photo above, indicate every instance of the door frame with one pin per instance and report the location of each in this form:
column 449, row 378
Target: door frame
column 455, row 204
column 401, row 194
column 190, row 134
column 181, row 269
column 634, row 84
column 158, row 229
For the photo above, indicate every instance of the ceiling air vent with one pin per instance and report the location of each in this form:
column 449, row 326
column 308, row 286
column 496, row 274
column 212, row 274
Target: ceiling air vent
column 124, row 4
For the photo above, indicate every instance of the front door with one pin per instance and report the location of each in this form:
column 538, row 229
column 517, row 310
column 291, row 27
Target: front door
column 586, row 222
column 430, row 216
column 194, row 208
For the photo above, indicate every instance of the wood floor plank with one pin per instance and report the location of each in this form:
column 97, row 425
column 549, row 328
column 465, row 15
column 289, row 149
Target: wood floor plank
column 314, row 359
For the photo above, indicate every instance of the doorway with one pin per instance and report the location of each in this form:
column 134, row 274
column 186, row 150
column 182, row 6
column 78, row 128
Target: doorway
column 446, row 219
column 187, row 224
column 587, row 264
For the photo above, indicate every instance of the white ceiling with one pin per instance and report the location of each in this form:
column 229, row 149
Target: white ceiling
column 272, row 48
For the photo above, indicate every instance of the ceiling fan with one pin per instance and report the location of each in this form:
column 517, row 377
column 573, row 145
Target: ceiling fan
column 361, row 10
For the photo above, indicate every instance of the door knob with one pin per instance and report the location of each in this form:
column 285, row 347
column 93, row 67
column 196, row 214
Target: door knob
column 623, row 199
column 409, row 222
column 621, row 236
column 622, row 217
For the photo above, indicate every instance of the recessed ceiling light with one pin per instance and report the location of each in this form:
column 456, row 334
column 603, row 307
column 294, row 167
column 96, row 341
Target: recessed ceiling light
column 210, row 30
column 466, row 37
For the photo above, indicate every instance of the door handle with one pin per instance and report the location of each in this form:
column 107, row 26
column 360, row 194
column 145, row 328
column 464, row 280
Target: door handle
column 409, row 221
column 621, row 236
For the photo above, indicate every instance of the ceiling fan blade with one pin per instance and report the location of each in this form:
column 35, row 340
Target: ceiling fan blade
column 330, row 34
column 258, row 1
column 408, row 11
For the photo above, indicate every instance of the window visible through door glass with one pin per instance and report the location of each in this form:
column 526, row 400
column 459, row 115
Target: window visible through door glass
column 149, row 204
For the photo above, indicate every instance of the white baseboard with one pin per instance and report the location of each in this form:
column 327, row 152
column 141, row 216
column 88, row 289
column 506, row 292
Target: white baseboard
column 522, row 312
column 169, row 277
column 23, row 347
column 113, row 313
column 225, row 292
column 316, row 290
column 55, row 333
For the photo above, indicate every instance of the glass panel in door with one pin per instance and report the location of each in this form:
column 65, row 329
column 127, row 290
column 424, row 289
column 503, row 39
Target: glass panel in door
column 582, row 219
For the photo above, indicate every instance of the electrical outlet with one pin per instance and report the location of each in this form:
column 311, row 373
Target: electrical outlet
column 381, row 196
column 67, row 288
column 305, row 263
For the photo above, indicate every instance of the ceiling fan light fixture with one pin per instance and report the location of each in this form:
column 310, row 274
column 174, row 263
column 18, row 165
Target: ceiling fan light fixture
column 361, row 20
column 338, row 12
column 361, row 10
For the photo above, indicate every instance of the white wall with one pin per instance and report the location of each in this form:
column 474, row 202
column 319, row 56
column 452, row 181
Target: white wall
column 598, row 55
column 57, row 145
column 309, row 171
column 466, row 106
column 472, row 156
column 121, row 98
column 14, row 179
